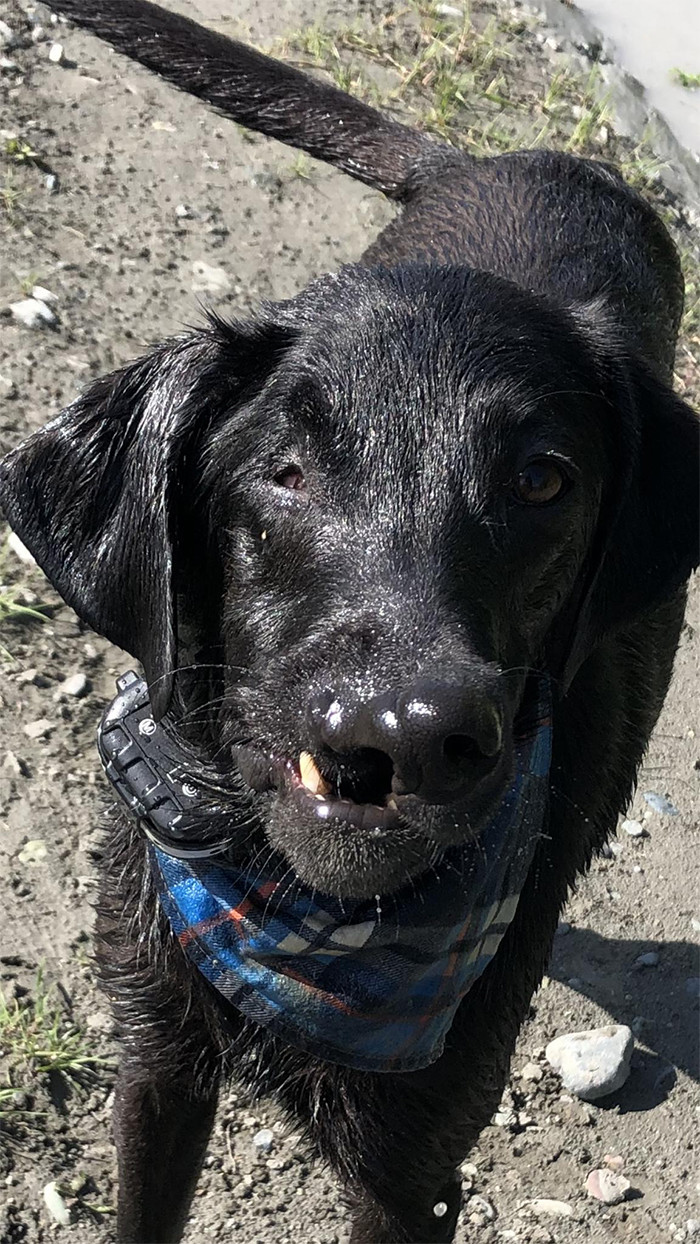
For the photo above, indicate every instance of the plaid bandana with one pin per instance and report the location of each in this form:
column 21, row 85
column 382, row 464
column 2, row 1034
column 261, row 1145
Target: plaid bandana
column 370, row 984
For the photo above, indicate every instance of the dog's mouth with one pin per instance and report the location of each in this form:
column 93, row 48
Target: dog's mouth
column 337, row 822
column 356, row 793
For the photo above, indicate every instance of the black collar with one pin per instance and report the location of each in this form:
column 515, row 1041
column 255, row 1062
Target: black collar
column 148, row 767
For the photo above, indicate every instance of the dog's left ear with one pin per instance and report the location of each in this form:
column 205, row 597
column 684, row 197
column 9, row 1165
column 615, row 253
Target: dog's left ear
column 648, row 544
column 97, row 494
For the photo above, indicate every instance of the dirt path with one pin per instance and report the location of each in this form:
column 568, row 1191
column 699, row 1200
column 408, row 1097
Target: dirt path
column 156, row 199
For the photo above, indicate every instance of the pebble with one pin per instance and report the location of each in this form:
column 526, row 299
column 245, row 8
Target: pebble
column 43, row 295
column 648, row 960
column 56, row 55
column 614, row 1162
column 546, row 1208
column 51, row 183
column 595, row 1063
column 264, row 1139
column 479, row 1205
column 607, row 1186
column 56, row 1205
column 75, row 685
column 531, row 1071
column 692, row 1226
column 208, row 279
column 38, row 729
column 660, row 803
column 182, row 211
column 505, row 1118
column 8, row 38
column 448, row 10
column 16, row 766
column 32, row 677
column 635, row 829
column 19, row 550
column 8, row 388
column 33, row 852
column 32, row 313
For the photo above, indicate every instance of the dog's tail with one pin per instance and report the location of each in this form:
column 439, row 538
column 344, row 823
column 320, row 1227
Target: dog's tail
column 257, row 91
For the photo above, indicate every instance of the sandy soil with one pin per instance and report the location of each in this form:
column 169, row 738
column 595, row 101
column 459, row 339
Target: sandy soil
column 110, row 244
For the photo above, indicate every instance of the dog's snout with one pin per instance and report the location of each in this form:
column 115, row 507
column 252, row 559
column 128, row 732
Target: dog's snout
column 441, row 738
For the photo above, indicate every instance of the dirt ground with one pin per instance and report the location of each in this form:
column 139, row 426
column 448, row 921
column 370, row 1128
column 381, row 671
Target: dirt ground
column 149, row 187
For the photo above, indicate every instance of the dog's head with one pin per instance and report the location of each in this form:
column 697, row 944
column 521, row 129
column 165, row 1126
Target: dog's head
column 377, row 509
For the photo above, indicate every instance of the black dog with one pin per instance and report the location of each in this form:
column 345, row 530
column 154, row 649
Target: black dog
column 348, row 542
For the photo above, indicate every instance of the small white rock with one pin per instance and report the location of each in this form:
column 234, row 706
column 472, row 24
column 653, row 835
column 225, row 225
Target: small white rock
column 56, row 53
column 56, row 1205
column 531, row 1071
column 264, row 1139
column 32, row 313
column 182, row 211
column 208, row 279
column 480, row 1205
column 14, row 543
column 38, row 729
column 607, row 1186
column 76, row 685
column 544, row 1207
column 448, row 10
column 38, row 34
column 43, row 295
column 33, row 852
column 51, row 183
column 635, row 829
column 595, row 1063
column 8, row 38
column 16, row 766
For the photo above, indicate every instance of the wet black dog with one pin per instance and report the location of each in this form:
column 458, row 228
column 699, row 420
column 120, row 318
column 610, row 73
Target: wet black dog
column 365, row 519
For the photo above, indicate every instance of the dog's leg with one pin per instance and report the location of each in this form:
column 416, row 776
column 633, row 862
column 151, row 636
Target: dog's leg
column 167, row 1086
column 431, row 1222
column 161, row 1137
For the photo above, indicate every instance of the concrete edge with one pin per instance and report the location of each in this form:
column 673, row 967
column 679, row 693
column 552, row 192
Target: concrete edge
column 633, row 115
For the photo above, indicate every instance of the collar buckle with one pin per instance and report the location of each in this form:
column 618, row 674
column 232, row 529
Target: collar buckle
column 148, row 768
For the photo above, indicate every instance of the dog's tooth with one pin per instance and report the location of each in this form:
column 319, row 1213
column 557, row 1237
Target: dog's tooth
column 391, row 803
column 310, row 775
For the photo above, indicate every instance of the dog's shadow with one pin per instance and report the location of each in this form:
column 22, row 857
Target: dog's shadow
column 656, row 1001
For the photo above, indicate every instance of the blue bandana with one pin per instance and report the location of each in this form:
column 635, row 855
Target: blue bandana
column 370, row 984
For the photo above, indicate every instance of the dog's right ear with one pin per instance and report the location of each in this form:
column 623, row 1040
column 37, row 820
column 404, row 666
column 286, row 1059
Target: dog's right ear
column 96, row 494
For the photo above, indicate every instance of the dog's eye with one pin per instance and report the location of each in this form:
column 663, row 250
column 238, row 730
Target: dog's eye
column 291, row 477
column 540, row 482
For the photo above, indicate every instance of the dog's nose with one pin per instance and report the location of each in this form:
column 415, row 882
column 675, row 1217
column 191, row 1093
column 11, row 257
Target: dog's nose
column 442, row 739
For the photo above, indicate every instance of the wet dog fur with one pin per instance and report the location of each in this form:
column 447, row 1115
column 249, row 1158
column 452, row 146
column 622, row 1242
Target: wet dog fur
column 371, row 429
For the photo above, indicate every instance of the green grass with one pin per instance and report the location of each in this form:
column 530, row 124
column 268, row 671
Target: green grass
column 38, row 1040
column 11, row 608
column 691, row 81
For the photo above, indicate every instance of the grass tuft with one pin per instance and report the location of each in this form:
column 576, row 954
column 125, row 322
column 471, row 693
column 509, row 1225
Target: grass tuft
column 38, row 1040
